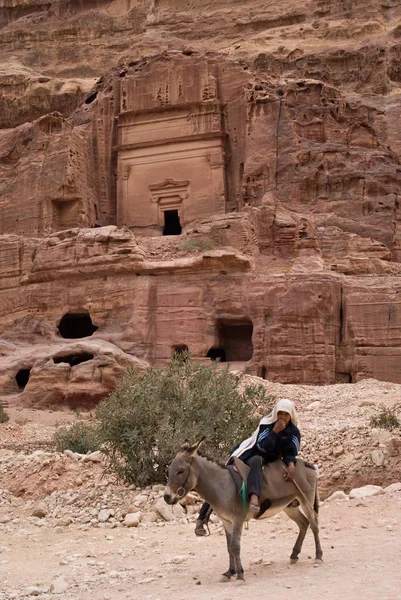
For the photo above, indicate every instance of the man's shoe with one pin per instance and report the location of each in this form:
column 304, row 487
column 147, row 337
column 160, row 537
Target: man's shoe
column 200, row 530
column 253, row 510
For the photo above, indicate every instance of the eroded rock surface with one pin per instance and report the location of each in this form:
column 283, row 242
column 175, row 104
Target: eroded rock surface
column 222, row 177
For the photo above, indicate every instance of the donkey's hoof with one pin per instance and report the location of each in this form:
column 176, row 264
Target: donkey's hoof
column 293, row 561
column 317, row 562
column 225, row 578
column 239, row 581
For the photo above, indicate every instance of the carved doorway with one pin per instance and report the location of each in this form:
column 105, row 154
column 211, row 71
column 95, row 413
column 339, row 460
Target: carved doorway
column 172, row 225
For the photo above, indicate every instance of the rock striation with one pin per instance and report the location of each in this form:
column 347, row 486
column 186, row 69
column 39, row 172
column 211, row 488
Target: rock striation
column 218, row 177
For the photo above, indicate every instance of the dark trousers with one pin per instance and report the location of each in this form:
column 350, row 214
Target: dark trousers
column 205, row 511
column 255, row 475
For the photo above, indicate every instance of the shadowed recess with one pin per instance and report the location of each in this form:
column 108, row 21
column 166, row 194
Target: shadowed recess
column 180, row 350
column 76, row 325
column 217, row 354
column 234, row 341
column 172, row 225
column 22, row 378
column 73, row 359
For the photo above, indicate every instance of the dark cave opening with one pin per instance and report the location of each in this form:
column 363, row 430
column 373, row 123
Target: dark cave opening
column 22, row 378
column 76, row 325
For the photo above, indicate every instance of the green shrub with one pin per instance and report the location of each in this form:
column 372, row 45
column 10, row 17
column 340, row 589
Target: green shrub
column 386, row 417
column 3, row 415
column 79, row 437
column 148, row 417
column 196, row 244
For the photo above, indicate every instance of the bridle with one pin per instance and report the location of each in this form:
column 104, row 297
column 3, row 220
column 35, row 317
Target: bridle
column 180, row 492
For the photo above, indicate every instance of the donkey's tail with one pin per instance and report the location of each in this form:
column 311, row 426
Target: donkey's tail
column 316, row 500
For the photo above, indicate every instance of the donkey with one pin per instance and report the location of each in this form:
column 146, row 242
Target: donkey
column 189, row 471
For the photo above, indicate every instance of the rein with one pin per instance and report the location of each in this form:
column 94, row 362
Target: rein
column 180, row 492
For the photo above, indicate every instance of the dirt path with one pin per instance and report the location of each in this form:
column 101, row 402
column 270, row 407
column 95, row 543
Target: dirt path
column 361, row 559
column 106, row 561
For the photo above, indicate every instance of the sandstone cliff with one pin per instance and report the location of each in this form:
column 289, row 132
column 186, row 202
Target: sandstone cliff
column 261, row 138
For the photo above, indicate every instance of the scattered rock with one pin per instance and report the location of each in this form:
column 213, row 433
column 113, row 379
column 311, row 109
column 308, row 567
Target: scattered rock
column 104, row 515
column 5, row 519
column 94, row 457
column 338, row 451
column 338, row 495
column 132, row 519
column 313, row 406
column 366, row 491
column 167, row 512
column 59, row 585
column 394, row 487
column 393, row 447
column 39, row 510
column 377, row 457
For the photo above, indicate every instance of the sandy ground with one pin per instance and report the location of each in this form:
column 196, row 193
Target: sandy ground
column 360, row 538
column 361, row 558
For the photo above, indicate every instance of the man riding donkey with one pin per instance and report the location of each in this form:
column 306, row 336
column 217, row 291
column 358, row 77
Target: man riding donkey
column 276, row 437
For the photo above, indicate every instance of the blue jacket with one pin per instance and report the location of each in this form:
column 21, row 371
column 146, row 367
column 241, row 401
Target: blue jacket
column 271, row 446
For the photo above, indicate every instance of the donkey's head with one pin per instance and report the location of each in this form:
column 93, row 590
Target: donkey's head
column 182, row 477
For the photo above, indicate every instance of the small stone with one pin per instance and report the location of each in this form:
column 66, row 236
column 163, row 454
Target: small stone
column 189, row 500
column 338, row 495
column 393, row 447
column 377, row 457
column 132, row 519
column 59, row 585
column 366, row 491
column 140, row 500
column 33, row 590
column 71, row 454
column 168, row 512
column 338, row 451
column 94, row 457
column 176, row 560
column 5, row 519
column 39, row 510
column 313, row 405
column 64, row 522
column 104, row 515
column 150, row 517
column 394, row 487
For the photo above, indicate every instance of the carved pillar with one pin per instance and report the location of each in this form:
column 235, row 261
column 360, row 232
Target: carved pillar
column 123, row 188
column 216, row 162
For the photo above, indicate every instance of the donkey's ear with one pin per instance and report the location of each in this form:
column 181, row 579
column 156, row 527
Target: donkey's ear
column 194, row 448
column 185, row 446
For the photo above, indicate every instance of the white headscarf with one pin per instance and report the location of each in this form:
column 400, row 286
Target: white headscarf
column 283, row 404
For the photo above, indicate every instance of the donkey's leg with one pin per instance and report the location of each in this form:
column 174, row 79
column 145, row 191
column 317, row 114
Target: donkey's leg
column 231, row 569
column 295, row 514
column 236, row 547
column 314, row 524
